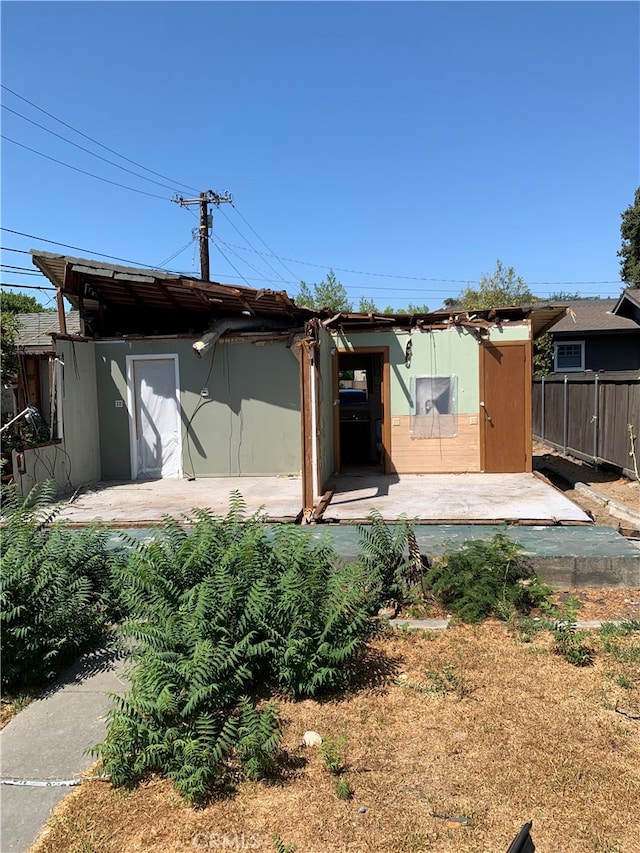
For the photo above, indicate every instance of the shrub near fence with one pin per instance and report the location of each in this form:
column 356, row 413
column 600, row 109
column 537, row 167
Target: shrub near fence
column 587, row 415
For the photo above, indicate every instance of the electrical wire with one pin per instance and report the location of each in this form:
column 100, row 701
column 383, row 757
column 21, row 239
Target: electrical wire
column 23, row 286
column 407, row 277
column 95, row 141
column 250, row 245
column 231, row 264
column 82, row 171
column 88, row 150
column 176, row 253
column 76, row 249
column 255, row 269
column 391, row 292
column 11, row 269
column 260, row 238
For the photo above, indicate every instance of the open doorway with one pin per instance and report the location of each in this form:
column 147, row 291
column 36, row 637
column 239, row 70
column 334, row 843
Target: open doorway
column 360, row 443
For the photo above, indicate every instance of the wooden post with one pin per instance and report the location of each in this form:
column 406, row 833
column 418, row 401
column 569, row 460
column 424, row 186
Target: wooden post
column 204, row 237
column 62, row 320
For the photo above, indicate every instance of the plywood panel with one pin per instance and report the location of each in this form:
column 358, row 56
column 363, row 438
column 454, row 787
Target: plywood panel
column 457, row 455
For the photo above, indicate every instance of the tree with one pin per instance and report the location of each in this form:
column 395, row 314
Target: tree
column 19, row 303
column 630, row 251
column 503, row 288
column 8, row 350
column 330, row 294
column 414, row 309
column 368, row 306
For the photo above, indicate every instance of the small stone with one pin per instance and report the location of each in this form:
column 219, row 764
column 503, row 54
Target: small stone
column 362, row 810
column 311, row 738
column 390, row 610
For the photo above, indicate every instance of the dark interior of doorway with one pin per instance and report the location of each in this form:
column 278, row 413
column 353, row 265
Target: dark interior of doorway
column 361, row 411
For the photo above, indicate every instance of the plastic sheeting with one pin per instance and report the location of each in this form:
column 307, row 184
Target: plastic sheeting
column 157, row 440
column 434, row 406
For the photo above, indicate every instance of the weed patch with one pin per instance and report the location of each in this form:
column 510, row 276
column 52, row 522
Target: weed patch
column 482, row 579
column 59, row 590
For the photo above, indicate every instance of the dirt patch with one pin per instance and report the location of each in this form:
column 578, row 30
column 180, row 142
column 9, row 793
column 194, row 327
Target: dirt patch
column 467, row 724
column 563, row 471
column 602, row 605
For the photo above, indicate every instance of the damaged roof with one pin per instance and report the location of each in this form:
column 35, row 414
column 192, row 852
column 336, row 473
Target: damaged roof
column 114, row 299
column 95, row 285
column 541, row 317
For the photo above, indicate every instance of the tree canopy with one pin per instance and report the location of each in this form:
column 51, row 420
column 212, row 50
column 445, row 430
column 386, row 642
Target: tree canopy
column 330, row 293
column 502, row 288
column 629, row 253
column 8, row 353
column 19, row 303
column 368, row 306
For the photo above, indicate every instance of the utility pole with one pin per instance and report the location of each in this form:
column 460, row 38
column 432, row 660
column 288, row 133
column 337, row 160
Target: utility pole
column 204, row 200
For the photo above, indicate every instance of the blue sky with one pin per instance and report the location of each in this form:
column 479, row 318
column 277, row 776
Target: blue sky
column 406, row 145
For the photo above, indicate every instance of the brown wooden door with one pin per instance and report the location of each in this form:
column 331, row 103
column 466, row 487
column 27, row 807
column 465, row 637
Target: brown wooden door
column 505, row 407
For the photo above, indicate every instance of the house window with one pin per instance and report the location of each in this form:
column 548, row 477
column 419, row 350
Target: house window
column 569, row 357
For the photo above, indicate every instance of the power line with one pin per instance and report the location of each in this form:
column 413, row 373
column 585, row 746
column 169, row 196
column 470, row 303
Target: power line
column 24, row 286
column 250, row 245
column 177, row 252
column 255, row 269
column 15, row 269
column 404, row 277
column 78, row 249
column 87, row 150
column 214, row 241
column 218, row 241
column 82, row 171
column 261, row 240
column 95, row 141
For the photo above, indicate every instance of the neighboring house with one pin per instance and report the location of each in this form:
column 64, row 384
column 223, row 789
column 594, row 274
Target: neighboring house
column 598, row 334
column 36, row 358
column 176, row 377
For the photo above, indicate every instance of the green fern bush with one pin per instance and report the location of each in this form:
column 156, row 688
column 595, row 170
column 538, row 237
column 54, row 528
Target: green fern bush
column 219, row 613
column 383, row 554
column 481, row 579
column 58, row 589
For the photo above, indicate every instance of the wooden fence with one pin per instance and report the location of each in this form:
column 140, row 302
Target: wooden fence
column 587, row 415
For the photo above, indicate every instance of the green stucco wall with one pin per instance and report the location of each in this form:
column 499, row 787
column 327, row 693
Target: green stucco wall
column 249, row 424
column 510, row 332
column 442, row 352
column 75, row 460
column 447, row 352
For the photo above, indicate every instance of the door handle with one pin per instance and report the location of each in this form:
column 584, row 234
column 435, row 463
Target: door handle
column 486, row 413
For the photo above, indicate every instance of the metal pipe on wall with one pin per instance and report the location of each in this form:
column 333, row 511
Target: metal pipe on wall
column 565, row 417
column 596, row 391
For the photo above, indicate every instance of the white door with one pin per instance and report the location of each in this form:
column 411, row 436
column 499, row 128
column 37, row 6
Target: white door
column 155, row 421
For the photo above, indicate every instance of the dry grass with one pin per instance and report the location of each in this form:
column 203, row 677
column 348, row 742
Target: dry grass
column 520, row 734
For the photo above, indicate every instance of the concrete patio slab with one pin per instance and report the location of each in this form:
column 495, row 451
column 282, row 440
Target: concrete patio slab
column 452, row 498
column 147, row 501
column 430, row 498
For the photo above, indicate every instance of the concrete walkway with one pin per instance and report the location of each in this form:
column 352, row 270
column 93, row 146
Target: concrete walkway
column 46, row 743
